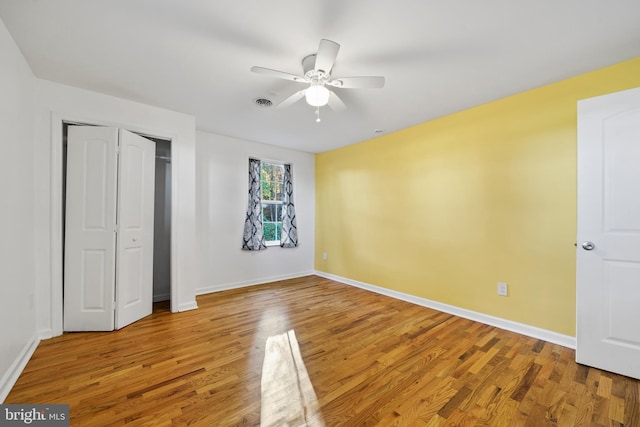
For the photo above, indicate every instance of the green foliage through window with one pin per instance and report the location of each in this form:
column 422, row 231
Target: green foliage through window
column 272, row 184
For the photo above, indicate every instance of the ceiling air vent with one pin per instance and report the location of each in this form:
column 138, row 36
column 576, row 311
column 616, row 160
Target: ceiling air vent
column 263, row 102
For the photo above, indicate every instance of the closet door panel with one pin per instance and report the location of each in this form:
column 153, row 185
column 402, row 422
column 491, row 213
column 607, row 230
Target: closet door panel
column 134, row 280
column 90, row 228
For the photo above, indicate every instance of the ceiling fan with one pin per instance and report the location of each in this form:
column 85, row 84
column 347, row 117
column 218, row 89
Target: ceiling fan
column 317, row 74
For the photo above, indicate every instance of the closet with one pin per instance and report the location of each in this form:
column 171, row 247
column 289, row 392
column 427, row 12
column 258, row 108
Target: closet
column 110, row 189
column 162, row 222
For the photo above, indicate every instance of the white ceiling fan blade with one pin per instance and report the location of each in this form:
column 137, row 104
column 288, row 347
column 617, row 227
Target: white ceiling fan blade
column 369, row 82
column 278, row 74
column 292, row 99
column 335, row 103
column 326, row 56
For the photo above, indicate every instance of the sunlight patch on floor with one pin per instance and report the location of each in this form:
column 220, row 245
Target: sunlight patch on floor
column 288, row 398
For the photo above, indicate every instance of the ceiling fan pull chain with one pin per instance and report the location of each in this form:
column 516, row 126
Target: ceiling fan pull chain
column 318, row 114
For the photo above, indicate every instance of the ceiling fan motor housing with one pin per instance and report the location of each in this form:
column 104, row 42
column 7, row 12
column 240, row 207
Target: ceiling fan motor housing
column 308, row 65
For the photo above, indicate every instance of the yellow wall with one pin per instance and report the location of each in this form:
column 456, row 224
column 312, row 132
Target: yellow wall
column 446, row 209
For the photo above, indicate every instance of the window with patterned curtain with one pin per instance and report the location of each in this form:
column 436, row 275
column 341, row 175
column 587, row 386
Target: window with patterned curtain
column 277, row 219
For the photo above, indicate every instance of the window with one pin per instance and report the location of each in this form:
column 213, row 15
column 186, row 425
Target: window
column 272, row 184
column 271, row 214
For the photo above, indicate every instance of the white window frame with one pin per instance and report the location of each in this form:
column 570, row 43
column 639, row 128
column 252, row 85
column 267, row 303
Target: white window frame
column 273, row 202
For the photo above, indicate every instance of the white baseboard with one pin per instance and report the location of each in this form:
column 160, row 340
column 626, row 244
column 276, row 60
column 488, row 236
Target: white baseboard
column 45, row 334
column 11, row 376
column 186, row 306
column 520, row 328
column 243, row 284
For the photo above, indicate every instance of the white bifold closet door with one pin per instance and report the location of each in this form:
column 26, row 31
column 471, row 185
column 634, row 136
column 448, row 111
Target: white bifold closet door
column 108, row 265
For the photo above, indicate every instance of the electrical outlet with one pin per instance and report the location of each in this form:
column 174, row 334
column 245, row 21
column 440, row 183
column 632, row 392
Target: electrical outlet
column 324, row 255
column 502, row 289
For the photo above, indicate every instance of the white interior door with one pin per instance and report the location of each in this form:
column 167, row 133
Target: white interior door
column 108, row 279
column 134, row 265
column 90, row 238
column 608, row 257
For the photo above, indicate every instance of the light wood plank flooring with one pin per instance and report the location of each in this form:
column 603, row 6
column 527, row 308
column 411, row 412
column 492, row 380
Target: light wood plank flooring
column 332, row 354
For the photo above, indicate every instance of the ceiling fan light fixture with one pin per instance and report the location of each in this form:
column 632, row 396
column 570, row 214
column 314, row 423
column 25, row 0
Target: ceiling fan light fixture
column 317, row 95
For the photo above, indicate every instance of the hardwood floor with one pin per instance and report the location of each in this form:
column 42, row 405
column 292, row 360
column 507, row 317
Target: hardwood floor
column 332, row 354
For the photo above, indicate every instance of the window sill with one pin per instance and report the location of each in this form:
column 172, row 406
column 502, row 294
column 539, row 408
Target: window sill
column 273, row 243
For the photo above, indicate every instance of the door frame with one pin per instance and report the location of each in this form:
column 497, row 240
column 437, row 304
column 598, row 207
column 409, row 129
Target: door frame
column 57, row 208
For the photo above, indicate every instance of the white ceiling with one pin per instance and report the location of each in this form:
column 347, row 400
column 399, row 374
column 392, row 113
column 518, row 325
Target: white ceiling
column 438, row 57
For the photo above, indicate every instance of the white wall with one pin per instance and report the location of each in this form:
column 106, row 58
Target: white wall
column 18, row 335
column 222, row 187
column 56, row 102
